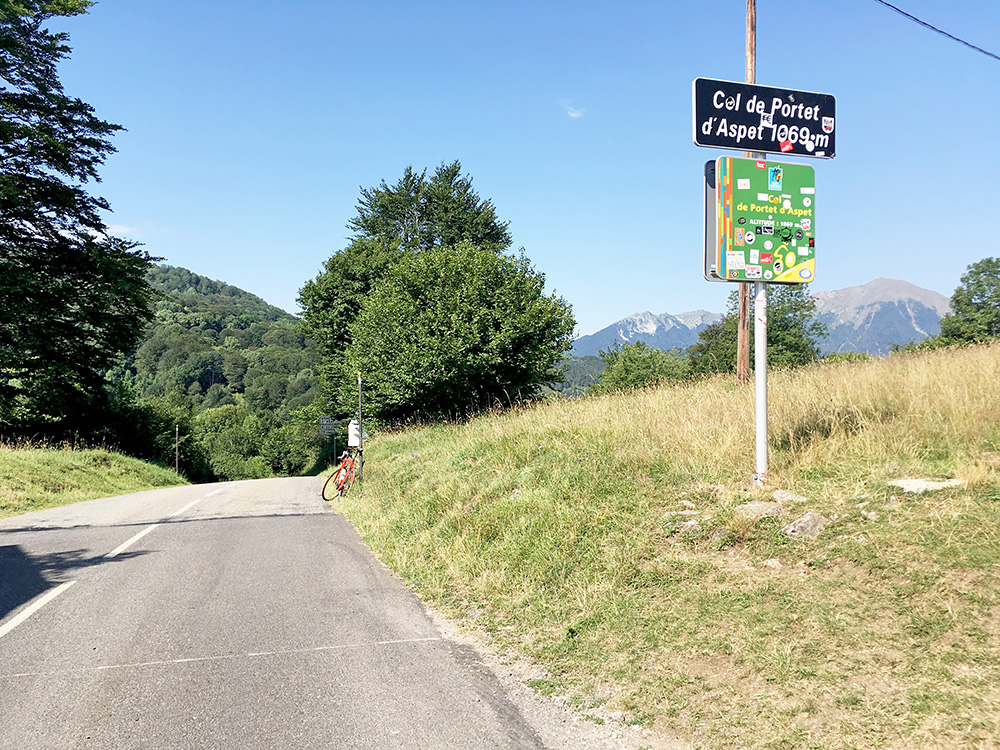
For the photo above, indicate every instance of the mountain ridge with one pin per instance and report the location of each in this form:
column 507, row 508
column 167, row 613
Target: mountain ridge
column 870, row 318
column 185, row 290
column 663, row 331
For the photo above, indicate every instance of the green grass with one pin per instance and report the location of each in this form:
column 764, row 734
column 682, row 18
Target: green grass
column 32, row 478
column 563, row 533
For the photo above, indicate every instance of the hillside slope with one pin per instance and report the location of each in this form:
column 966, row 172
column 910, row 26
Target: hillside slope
column 185, row 290
column 234, row 373
column 32, row 478
column 210, row 342
column 616, row 542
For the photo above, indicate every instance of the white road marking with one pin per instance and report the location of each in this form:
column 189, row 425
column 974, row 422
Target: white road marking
column 188, row 506
column 130, row 542
column 34, row 608
column 143, row 533
column 224, row 657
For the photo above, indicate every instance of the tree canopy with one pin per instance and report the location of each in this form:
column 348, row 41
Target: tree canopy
column 413, row 215
column 453, row 331
column 975, row 305
column 211, row 347
column 72, row 299
column 637, row 365
column 418, row 213
column 434, row 337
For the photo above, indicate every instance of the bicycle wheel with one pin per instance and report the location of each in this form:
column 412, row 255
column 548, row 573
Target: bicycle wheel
column 332, row 482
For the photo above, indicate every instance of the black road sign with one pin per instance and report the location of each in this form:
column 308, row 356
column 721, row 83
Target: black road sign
column 748, row 117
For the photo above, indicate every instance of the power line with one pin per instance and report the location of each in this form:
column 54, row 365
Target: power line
column 935, row 28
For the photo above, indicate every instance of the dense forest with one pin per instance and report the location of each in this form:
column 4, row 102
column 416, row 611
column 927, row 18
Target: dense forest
column 214, row 343
column 232, row 374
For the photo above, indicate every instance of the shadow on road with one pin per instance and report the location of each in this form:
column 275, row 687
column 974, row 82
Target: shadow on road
column 23, row 576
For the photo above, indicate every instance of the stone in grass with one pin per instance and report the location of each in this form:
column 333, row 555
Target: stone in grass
column 808, row 526
column 757, row 510
column 689, row 527
column 916, row 486
column 784, row 496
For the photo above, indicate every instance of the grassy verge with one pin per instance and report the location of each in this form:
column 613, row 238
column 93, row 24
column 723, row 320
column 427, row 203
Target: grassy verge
column 601, row 538
column 33, row 478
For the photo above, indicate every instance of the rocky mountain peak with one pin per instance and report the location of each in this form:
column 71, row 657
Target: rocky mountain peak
column 871, row 318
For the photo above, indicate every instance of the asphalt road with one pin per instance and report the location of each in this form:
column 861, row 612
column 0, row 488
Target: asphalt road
column 245, row 615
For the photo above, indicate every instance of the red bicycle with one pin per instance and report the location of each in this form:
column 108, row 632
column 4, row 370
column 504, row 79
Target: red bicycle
column 340, row 481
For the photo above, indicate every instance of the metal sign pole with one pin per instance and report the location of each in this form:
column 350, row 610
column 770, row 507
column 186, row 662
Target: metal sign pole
column 760, row 295
column 361, row 432
column 760, row 381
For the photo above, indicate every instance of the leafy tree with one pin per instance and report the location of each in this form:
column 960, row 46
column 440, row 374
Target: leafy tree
column 416, row 214
column 638, row 364
column 793, row 333
column 71, row 299
column 975, row 305
column 51, row 144
column 715, row 350
column 332, row 301
column 233, row 439
column 420, row 214
column 452, row 331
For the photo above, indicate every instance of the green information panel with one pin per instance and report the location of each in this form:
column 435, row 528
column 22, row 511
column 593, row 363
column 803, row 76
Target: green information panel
column 766, row 221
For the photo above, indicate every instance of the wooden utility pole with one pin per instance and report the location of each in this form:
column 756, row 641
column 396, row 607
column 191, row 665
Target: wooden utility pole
column 743, row 320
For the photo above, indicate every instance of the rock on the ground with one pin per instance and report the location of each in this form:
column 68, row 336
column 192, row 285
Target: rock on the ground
column 808, row 526
column 784, row 496
column 758, row 509
column 917, row 486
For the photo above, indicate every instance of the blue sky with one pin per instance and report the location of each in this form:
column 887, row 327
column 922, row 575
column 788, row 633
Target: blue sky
column 252, row 126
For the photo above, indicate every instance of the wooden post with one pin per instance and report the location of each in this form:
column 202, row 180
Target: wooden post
column 743, row 303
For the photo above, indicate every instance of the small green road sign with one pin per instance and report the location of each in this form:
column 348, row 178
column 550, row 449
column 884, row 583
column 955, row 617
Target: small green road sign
column 766, row 221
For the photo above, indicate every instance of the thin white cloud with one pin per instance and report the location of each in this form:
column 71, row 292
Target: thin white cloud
column 572, row 112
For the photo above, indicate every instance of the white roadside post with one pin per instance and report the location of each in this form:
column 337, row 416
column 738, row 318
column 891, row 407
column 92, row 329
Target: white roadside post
column 760, row 380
